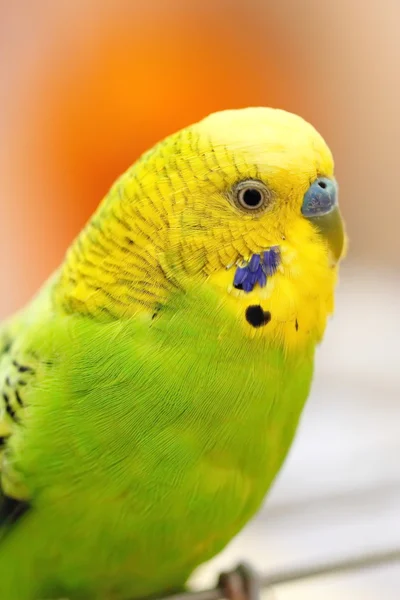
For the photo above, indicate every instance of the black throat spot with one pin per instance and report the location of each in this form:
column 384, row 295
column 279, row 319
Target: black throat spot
column 256, row 316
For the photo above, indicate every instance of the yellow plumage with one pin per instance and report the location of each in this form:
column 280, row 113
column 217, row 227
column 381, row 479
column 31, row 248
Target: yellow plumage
column 190, row 172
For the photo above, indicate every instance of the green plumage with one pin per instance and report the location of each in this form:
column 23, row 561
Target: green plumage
column 147, row 447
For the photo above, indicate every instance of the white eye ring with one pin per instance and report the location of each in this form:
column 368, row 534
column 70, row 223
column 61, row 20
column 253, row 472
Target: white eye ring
column 252, row 195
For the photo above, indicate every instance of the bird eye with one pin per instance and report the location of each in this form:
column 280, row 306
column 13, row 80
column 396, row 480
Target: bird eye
column 252, row 195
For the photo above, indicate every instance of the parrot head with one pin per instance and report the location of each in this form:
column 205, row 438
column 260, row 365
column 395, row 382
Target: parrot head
column 249, row 180
column 245, row 202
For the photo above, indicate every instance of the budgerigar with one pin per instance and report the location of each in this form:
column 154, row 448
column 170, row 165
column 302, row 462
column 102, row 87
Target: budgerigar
column 151, row 390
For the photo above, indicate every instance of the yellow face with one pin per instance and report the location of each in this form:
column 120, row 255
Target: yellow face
column 245, row 182
column 243, row 202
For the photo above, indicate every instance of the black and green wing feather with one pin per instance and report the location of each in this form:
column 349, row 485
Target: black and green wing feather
column 14, row 377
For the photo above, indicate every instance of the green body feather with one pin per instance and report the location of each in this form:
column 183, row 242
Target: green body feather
column 147, row 446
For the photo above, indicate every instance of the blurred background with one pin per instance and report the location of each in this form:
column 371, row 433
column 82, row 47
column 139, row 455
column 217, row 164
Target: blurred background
column 86, row 86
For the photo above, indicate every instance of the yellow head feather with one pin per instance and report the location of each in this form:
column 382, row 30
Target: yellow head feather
column 173, row 220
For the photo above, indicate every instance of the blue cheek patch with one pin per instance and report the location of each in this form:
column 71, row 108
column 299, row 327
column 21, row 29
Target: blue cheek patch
column 257, row 270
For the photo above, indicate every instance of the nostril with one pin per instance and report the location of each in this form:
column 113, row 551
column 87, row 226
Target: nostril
column 322, row 184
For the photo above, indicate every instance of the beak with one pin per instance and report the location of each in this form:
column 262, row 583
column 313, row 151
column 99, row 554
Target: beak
column 331, row 227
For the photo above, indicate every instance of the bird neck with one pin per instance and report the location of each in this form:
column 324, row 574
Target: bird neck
column 112, row 270
column 295, row 302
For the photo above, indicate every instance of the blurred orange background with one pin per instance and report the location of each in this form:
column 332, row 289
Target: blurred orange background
column 87, row 86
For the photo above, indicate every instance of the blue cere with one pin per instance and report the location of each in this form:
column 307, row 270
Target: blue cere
column 320, row 198
column 257, row 270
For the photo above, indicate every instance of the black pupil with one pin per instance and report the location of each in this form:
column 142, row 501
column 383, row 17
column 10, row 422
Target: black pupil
column 252, row 197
